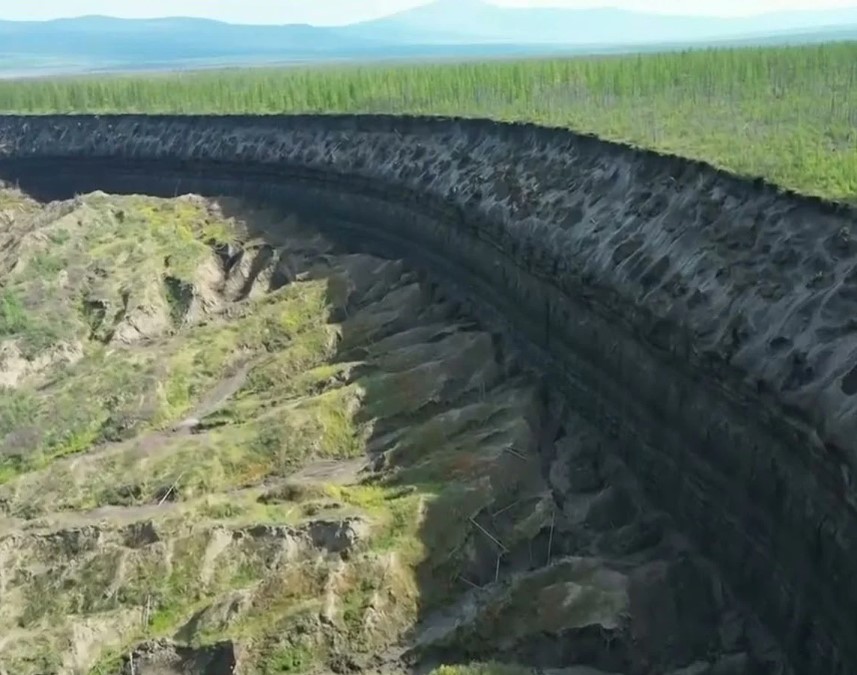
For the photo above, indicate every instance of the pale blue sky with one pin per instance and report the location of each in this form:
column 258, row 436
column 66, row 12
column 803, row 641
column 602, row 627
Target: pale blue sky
column 345, row 11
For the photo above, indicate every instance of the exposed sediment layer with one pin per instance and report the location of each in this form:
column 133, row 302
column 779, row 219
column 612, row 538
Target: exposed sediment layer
column 705, row 322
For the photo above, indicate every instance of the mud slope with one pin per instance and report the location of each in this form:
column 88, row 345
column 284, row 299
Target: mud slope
column 705, row 324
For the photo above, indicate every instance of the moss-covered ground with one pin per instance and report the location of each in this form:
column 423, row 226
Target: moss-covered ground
column 204, row 449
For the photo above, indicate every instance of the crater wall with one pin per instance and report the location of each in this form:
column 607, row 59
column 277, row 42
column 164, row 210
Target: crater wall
column 707, row 322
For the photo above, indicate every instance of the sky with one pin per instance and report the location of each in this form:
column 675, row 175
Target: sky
column 335, row 12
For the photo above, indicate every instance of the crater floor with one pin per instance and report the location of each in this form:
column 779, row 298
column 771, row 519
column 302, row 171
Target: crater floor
column 228, row 446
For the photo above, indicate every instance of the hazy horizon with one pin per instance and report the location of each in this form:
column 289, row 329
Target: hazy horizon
column 435, row 29
column 343, row 12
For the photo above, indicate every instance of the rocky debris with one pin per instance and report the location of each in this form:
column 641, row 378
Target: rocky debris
column 140, row 534
column 333, row 536
column 219, row 616
column 338, row 536
column 15, row 367
column 142, row 324
column 164, row 657
column 76, row 541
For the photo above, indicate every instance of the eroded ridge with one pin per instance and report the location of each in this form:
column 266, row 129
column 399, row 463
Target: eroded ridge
column 703, row 322
column 291, row 458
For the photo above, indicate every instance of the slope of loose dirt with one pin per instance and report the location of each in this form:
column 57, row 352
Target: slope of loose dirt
column 228, row 446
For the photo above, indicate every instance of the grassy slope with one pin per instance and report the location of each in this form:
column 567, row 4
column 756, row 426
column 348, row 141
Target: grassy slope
column 787, row 114
column 67, row 286
column 115, row 528
column 112, row 404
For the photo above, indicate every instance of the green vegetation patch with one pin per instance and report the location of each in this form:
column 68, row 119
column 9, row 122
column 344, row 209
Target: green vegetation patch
column 115, row 395
column 97, row 352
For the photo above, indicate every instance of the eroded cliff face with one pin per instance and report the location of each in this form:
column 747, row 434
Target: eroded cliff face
column 705, row 324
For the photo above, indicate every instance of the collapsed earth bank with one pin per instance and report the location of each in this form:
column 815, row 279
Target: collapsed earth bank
column 703, row 323
column 232, row 446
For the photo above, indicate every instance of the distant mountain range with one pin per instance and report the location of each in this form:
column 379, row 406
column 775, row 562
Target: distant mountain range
column 474, row 21
column 440, row 29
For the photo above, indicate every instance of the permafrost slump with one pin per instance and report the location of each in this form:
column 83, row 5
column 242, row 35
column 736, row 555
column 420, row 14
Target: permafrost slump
column 707, row 323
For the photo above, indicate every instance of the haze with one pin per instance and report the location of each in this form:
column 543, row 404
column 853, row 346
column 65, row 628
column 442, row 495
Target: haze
column 335, row 12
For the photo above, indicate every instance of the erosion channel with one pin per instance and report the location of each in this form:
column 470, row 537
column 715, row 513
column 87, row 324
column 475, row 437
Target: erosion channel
column 460, row 392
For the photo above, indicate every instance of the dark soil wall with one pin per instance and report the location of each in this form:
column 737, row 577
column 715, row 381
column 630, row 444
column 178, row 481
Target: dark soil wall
column 708, row 322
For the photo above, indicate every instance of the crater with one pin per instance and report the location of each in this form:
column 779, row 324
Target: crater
column 682, row 438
